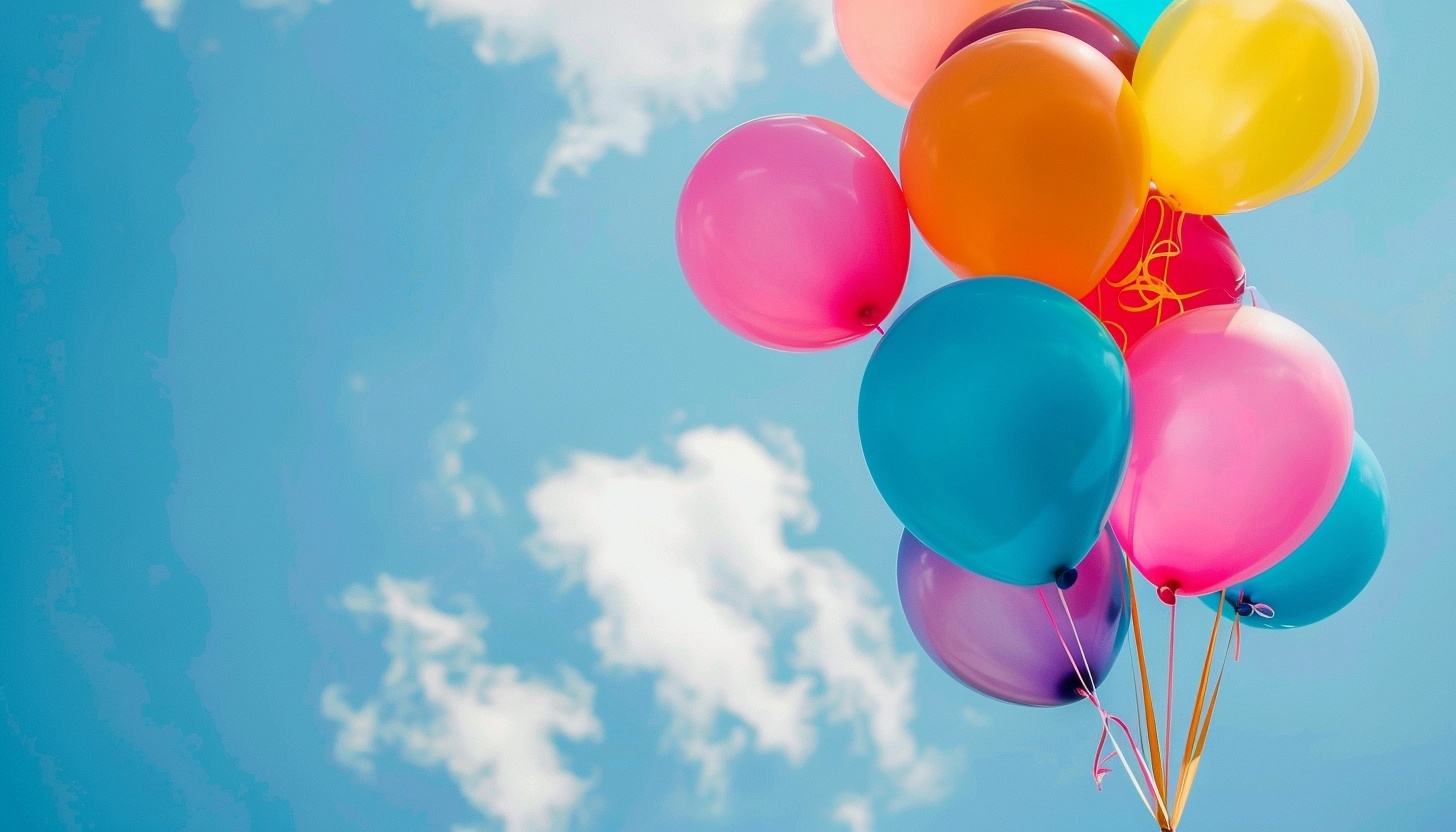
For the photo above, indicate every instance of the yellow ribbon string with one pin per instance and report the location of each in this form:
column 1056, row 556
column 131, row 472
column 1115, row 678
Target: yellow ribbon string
column 1155, row 756
column 1143, row 289
column 1184, row 781
column 1197, row 755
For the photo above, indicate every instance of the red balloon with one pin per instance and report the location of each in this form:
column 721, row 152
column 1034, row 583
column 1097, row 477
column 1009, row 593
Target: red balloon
column 1174, row 262
column 1091, row 27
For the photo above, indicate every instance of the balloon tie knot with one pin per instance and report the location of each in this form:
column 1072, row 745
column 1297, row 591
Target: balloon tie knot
column 1066, row 578
column 1168, row 593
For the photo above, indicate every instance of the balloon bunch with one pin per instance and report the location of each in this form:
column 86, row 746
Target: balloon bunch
column 1096, row 403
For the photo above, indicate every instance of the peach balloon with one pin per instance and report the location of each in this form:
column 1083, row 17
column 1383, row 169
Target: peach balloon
column 895, row 45
column 1027, row 155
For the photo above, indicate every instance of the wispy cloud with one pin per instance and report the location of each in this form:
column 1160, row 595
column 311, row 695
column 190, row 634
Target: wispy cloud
column 455, row 489
column 855, row 812
column 625, row 67
column 441, row 703
column 697, row 585
column 291, row 7
column 163, row 12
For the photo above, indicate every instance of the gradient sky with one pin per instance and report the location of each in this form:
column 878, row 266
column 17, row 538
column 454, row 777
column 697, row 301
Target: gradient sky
column 367, row 466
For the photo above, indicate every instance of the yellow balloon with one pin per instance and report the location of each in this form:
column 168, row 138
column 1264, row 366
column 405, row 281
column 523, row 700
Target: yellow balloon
column 1247, row 100
column 1364, row 114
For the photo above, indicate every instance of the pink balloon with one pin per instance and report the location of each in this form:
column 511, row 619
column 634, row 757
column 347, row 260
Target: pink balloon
column 1242, row 434
column 793, row 233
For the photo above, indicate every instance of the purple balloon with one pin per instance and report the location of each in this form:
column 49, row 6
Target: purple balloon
column 996, row 638
column 1087, row 25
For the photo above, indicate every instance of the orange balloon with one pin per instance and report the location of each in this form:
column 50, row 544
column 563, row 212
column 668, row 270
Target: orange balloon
column 1027, row 155
column 894, row 45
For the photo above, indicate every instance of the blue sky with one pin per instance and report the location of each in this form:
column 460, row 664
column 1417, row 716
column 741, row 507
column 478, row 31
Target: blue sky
column 354, row 481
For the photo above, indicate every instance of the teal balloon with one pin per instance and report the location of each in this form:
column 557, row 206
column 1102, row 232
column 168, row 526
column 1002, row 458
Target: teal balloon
column 1324, row 575
column 1134, row 16
column 996, row 417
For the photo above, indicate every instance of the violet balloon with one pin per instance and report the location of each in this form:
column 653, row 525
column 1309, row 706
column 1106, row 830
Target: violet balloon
column 997, row 639
column 1093, row 28
column 1243, row 432
column 793, row 233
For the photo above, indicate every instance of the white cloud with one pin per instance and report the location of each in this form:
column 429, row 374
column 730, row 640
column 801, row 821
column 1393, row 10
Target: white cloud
column 440, row 703
column 291, row 7
column 697, row 584
column 625, row 66
column 459, row 492
column 163, row 12
column 855, row 812
column 975, row 717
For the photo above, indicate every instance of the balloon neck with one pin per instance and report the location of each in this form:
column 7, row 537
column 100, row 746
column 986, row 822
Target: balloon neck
column 1168, row 593
column 1066, row 578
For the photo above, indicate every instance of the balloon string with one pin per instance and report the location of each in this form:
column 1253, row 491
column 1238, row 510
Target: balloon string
column 1137, row 705
column 1149, row 714
column 1238, row 640
column 1142, row 289
column 1184, row 782
column 1234, row 641
column 1168, row 716
column 1089, row 692
column 1092, row 681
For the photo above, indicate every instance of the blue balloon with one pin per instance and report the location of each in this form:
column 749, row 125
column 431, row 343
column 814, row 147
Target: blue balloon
column 1323, row 575
column 996, row 417
column 1134, row 16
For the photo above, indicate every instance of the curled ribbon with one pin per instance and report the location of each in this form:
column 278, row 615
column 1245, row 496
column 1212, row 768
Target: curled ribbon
column 1142, row 289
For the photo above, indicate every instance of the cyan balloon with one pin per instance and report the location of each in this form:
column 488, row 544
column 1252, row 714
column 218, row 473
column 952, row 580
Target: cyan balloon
column 995, row 417
column 1324, row 574
column 1136, row 16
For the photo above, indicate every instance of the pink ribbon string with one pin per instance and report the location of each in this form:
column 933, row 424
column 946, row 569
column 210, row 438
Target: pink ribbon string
column 1088, row 690
column 1168, row 718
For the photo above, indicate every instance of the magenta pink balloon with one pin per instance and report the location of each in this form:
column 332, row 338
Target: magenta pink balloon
column 1242, row 434
column 793, row 233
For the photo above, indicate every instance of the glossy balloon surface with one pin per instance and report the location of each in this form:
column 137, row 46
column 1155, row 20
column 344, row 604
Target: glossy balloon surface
column 1026, row 154
column 995, row 420
column 998, row 639
column 1244, row 431
column 1332, row 567
column 792, row 232
column 1089, row 26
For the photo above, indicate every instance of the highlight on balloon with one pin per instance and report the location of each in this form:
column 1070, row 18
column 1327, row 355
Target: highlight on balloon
column 1095, row 410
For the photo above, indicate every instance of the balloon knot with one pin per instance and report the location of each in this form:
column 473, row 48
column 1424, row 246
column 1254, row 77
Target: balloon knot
column 1168, row 593
column 1066, row 578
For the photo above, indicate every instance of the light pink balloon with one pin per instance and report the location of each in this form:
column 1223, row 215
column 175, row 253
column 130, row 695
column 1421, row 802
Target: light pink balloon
column 1242, row 436
column 793, row 233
